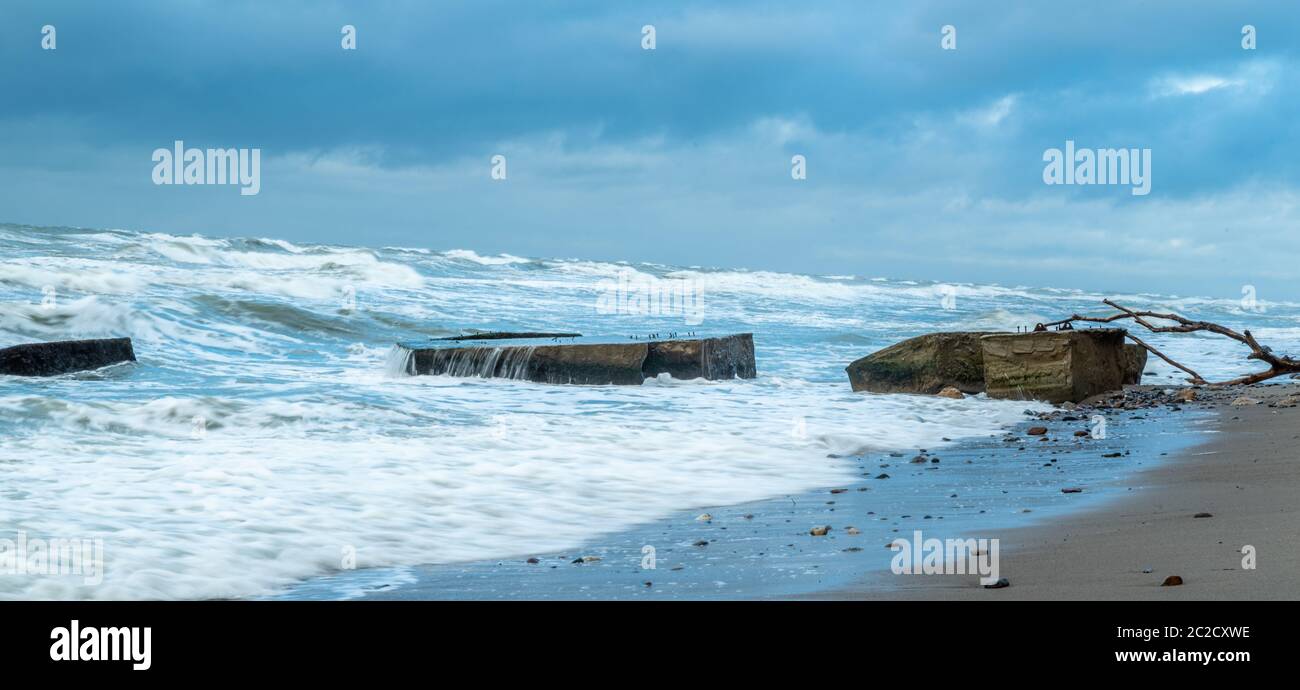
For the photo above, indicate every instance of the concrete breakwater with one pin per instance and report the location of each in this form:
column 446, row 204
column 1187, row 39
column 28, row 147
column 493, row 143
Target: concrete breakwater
column 1053, row 366
column 49, row 359
column 574, row 359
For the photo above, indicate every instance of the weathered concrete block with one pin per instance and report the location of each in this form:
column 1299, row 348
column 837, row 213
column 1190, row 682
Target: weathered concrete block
column 1054, row 366
column 727, row 357
column 544, row 360
column 49, row 359
column 924, row 364
column 1135, row 362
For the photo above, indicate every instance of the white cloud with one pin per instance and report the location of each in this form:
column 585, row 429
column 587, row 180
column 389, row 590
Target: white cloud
column 781, row 131
column 1190, row 85
column 1255, row 77
column 991, row 115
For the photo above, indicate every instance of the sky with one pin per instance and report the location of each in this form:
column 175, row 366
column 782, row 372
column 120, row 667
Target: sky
column 922, row 163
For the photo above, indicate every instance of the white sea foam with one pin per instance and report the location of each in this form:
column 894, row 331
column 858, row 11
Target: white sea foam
column 274, row 490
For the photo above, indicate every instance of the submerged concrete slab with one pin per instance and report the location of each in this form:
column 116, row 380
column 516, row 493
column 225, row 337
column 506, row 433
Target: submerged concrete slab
column 565, row 358
column 49, row 359
column 1054, row 366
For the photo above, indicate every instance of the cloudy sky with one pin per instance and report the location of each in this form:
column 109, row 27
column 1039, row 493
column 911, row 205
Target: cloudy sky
column 922, row 163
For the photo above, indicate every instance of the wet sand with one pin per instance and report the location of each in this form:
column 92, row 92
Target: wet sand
column 1246, row 476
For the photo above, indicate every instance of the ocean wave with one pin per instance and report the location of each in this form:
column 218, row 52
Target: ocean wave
column 286, row 316
column 87, row 317
column 475, row 257
column 70, row 275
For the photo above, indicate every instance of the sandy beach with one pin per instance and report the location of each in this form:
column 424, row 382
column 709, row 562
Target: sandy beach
column 1245, row 477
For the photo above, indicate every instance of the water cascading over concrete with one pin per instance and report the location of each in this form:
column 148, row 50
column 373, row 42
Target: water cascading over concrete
column 574, row 359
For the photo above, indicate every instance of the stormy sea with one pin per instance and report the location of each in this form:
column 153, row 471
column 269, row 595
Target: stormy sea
column 264, row 438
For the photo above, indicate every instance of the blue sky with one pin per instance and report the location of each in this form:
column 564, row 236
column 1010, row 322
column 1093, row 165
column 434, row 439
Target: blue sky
column 922, row 163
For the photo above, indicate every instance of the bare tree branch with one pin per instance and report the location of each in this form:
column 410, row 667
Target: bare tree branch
column 1278, row 365
column 1196, row 378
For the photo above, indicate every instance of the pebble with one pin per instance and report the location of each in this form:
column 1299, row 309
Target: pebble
column 951, row 392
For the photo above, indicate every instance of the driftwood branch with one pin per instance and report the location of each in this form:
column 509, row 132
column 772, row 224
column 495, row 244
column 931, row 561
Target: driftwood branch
column 1278, row 365
column 1196, row 378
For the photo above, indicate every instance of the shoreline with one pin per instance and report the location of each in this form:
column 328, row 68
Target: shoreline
column 1244, row 477
column 764, row 549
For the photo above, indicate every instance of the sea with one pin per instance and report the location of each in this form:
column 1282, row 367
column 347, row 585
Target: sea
column 266, row 438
